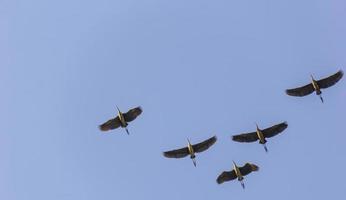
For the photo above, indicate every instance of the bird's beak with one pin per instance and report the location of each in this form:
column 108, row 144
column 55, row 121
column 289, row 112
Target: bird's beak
column 257, row 126
column 118, row 109
column 312, row 77
column 188, row 141
column 234, row 163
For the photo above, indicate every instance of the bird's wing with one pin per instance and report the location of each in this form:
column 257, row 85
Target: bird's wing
column 274, row 130
column 226, row 176
column 132, row 114
column 245, row 137
column 331, row 80
column 301, row 91
column 248, row 168
column 110, row 124
column 202, row 146
column 178, row 153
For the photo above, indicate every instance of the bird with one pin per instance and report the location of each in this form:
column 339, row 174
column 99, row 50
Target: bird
column 316, row 85
column 191, row 149
column 237, row 172
column 261, row 135
column 121, row 120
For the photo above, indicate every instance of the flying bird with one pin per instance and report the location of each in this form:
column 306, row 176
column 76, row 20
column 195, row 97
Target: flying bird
column 316, row 85
column 121, row 120
column 191, row 149
column 261, row 135
column 237, row 172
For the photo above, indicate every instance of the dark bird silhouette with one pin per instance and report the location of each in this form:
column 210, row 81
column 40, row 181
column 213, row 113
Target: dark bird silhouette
column 121, row 120
column 191, row 149
column 237, row 172
column 261, row 135
column 316, row 85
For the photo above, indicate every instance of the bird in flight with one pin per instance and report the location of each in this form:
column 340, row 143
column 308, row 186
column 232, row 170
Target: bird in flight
column 121, row 120
column 316, row 85
column 261, row 135
column 237, row 172
column 191, row 149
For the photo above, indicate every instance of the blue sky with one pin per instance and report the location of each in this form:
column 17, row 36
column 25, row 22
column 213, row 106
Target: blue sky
column 198, row 69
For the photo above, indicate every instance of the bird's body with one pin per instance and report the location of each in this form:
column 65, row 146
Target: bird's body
column 121, row 120
column 191, row 150
column 260, row 134
column 237, row 173
column 316, row 85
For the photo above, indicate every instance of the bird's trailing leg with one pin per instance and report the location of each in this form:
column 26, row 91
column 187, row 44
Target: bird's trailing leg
column 265, row 147
column 193, row 158
column 127, row 131
column 194, row 161
column 321, row 98
column 242, row 184
column 319, row 93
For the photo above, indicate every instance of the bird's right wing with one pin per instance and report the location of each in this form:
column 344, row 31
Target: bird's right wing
column 248, row 168
column 274, row 130
column 245, row 137
column 301, row 91
column 110, row 124
column 132, row 114
column 226, row 176
column 178, row 153
column 202, row 146
column 331, row 80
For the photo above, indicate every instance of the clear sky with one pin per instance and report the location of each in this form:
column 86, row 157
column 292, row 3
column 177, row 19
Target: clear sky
column 198, row 68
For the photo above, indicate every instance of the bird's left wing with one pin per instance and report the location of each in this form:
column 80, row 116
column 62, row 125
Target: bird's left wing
column 178, row 153
column 110, row 124
column 226, row 176
column 301, row 91
column 245, row 137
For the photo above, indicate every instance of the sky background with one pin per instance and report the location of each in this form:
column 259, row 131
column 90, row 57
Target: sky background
column 198, row 68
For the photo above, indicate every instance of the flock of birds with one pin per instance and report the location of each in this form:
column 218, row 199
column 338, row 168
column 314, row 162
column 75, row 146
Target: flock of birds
column 122, row 120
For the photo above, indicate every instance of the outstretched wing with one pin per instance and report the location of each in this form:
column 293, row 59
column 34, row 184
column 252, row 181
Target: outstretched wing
column 245, row 137
column 301, row 91
column 331, row 80
column 204, row 145
column 248, row 168
column 226, row 176
column 132, row 114
column 274, row 130
column 178, row 153
column 110, row 124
